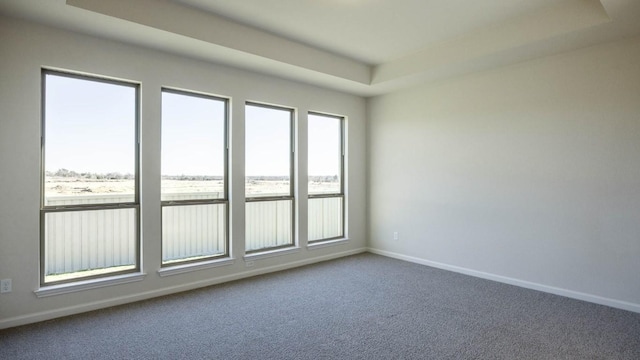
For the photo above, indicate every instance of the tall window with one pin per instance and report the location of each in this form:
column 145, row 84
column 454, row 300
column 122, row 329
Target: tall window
column 269, row 177
column 90, row 204
column 326, row 177
column 194, row 177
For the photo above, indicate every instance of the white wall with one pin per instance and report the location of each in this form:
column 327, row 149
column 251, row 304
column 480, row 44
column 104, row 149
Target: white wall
column 528, row 174
column 27, row 47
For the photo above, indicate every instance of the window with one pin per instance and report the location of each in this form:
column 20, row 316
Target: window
column 326, row 177
column 89, row 212
column 269, row 177
column 194, row 177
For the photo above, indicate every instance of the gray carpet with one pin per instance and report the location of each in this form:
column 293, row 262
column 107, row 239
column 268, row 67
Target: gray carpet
column 361, row 307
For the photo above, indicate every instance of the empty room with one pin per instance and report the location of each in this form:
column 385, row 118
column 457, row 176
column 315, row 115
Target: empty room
column 307, row 179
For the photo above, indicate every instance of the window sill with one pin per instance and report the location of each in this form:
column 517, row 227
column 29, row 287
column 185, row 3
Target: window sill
column 185, row 268
column 271, row 253
column 78, row 286
column 327, row 243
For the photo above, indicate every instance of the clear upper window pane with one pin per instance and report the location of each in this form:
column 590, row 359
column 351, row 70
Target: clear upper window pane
column 193, row 147
column 268, row 154
column 90, row 141
column 325, row 154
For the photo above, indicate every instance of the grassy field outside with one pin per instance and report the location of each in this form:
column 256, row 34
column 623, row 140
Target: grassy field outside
column 255, row 186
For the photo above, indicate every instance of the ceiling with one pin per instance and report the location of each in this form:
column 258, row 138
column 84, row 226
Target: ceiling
column 370, row 31
column 364, row 47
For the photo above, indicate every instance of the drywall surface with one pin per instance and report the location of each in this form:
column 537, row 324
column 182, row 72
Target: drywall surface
column 27, row 47
column 528, row 174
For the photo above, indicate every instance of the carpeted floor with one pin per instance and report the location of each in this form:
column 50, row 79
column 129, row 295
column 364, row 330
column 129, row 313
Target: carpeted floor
column 361, row 307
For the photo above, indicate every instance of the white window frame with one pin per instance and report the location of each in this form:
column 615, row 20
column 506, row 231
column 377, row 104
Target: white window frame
column 224, row 200
column 135, row 204
column 341, row 193
column 292, row 172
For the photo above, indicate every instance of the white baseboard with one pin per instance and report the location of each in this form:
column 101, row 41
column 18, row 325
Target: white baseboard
column 624, row 305
column 77, row 309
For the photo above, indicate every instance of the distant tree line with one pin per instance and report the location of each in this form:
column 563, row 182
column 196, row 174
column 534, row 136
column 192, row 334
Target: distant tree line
column 119, row 176
column 89, row 175
column 324, row 179
column 191, row 177
column 267, row 178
